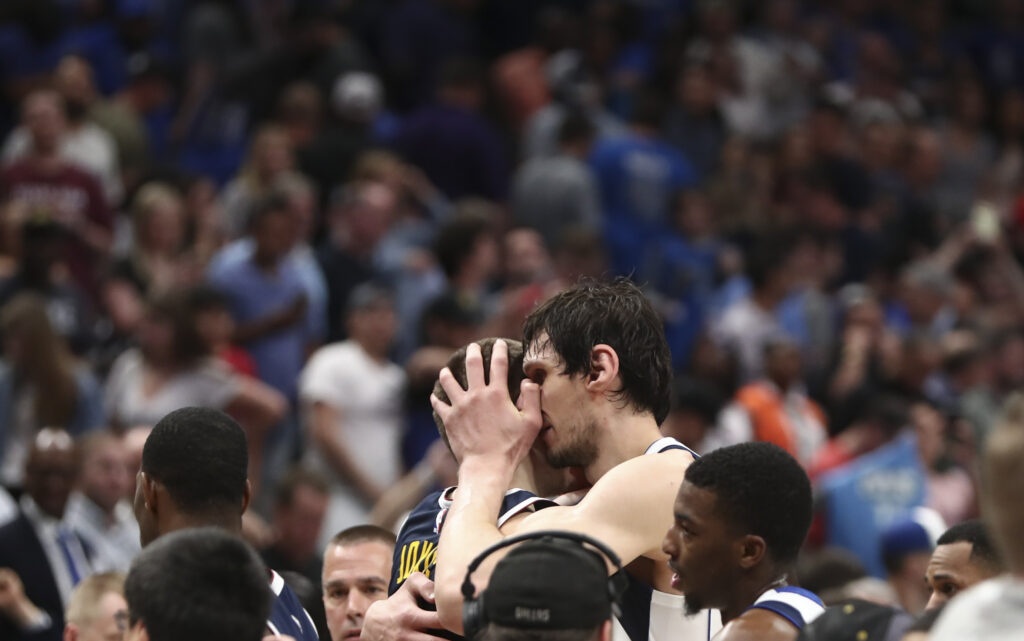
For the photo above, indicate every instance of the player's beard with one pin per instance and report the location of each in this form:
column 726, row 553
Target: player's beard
column 691, row 605
column 578, row 450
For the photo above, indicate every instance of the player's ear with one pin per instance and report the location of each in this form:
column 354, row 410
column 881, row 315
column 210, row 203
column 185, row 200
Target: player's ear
column 70, row 632
column 149, row 493
column 605, row 633
column 137, row 633
column 752, row 549
column 604, row 368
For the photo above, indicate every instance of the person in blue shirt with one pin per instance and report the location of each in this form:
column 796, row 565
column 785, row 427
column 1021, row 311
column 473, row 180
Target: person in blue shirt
column 267, row 297
column 638, row 175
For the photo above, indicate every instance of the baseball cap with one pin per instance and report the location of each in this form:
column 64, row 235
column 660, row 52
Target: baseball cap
column 858, row 620
column 549, row 584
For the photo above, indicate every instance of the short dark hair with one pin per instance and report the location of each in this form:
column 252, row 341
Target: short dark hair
column 697, row 397
column 575, row 127
column 975, row 532
column 176, row 308
column 769, row 256
column 617, row 314
column 494, row 632
column 295, row 478
column 273, row 203
column 362, row 534
column 457, row 240
column 199, row 584
column 207, row 298
column 760, row 489
column 457, row 365
column 201, row 456
column 460, row 72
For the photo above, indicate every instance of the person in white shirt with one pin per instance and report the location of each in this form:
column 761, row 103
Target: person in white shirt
column 994, row 610
column 98, row 508
column 352, row 399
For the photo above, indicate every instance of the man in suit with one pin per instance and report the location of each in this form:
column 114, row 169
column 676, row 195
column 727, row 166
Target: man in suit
column 41, row 558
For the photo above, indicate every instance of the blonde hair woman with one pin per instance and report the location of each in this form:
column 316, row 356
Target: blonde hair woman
column 41, row 384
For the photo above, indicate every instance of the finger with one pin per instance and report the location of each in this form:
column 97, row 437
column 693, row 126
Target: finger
column 529, row 402
column 411, row 635
column 421, row 585
column 423, row 620
column 499, row 363
column 450, row 386
column 474, row 367
column 443, row 409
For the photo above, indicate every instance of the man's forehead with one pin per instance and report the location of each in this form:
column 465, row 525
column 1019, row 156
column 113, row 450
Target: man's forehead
column 540, row 349
column 951, row 555
column 358, row 555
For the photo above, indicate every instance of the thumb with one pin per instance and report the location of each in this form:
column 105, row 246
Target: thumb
column 529, row 402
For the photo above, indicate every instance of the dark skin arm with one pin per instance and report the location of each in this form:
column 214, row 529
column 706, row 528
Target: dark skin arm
column 758, row 625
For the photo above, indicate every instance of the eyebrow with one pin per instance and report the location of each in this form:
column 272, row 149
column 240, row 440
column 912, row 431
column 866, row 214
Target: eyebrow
column 357, row 580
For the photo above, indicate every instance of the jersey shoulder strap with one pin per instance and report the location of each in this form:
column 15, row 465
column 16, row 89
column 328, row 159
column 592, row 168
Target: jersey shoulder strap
column 666, row 444
column 796, row 605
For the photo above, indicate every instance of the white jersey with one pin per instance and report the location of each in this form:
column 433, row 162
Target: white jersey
column 652, row 615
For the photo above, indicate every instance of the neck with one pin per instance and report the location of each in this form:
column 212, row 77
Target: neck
column 624, row 435
column 264, row 262
column 175, row 522
column 748, row 591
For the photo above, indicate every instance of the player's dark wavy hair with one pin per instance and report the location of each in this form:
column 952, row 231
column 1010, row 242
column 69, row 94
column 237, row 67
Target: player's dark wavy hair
column 760, row 489
column 616, row 314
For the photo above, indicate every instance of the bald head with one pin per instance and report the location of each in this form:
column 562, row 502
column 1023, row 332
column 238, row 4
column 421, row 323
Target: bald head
column 50, row 470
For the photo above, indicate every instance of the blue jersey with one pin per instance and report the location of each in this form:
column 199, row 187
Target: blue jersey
column 796, row 605
column 416, row 547
column 287, row 616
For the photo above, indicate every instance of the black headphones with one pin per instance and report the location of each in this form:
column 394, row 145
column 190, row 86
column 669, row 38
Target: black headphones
column 474, row 618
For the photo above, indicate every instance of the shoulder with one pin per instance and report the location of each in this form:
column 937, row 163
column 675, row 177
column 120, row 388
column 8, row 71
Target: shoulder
column 757, row 625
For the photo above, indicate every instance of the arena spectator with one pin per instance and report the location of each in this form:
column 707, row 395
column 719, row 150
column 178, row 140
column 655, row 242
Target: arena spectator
column 97, row 507
column 357, row 565
column 41, row 557
column 775, row 409
column 358, row 218
column 97, row 610
column 451, row 142
column 41, row 385
column 158, row 261
column 44, row 185
column 352, row 394
column 268, row 300
column 172, row 368
column 270, row 156
column 553, row 193
column 300, row 503
column 964, row 556
column 83, row 144
column 966, row 616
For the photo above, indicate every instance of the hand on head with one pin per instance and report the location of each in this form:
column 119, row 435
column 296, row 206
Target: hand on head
column 482, row 422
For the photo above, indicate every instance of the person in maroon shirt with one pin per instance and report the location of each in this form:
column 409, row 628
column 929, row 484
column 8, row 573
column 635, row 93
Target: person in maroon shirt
column 42, row 185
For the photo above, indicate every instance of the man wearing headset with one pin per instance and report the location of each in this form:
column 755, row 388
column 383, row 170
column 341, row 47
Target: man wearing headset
column 553, row 586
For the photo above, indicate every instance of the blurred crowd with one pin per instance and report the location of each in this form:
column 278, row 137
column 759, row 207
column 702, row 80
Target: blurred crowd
column 294, row 211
